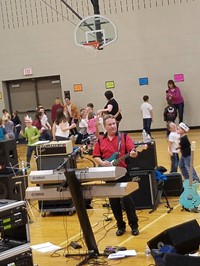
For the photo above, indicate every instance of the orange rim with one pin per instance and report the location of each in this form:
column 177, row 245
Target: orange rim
column 94, row 44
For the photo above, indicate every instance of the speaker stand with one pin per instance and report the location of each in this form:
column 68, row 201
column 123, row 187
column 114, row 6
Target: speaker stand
column 161, row 190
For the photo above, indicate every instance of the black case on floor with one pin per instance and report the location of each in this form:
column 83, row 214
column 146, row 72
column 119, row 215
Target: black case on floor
column 173, row 186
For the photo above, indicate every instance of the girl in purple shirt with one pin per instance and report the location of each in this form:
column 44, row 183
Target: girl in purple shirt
column 173, row 93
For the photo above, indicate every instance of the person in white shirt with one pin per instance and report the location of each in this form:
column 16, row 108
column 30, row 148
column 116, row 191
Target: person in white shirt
column 147, row 114
column 46, row 127
column 173, row 146
column 82, row 134
column 61, row 127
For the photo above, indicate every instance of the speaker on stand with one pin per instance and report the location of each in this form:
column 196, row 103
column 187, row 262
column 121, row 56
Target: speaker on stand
column 8, row 156
column 12, row 187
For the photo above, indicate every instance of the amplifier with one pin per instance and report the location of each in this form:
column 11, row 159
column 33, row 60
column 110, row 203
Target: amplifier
column 145, row 196
column 19, row 257
column 54, row 148
column 13, row 217
column 14, row 227
column 173, row 186
column 146, row 159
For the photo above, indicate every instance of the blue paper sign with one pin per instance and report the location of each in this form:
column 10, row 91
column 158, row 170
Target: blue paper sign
column 143, row 81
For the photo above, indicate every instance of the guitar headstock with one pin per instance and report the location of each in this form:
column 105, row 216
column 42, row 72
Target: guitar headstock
column 141, row 147
column 193, row 145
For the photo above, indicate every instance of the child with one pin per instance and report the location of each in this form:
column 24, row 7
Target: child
column 3, row 132
column 45, row 124
column 82, row 127
column 9, row 126
column 147, row 114
column 170, row 114
column 17, row 125
column 32, row 134
column 184, row 145
column 90, row 107
column 92, row 130
column 173, row 146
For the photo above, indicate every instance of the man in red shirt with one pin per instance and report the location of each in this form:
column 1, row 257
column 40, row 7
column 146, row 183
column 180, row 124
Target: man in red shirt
column 57, row 105
column 103, row 149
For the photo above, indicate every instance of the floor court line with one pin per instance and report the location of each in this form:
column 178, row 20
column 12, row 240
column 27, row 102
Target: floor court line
column 129, row 238
column 148, row 225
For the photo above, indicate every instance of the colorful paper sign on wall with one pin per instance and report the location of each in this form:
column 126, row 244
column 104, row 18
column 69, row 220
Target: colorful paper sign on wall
column 110, row 84
column 78, row 87
column 178, row 77
column 143, row 81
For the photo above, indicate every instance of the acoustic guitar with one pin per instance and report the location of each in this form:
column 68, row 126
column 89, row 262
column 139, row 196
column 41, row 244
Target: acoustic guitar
column 190, row 199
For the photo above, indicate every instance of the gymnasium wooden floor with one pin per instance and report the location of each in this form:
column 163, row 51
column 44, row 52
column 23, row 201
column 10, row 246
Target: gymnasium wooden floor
column 61, row 229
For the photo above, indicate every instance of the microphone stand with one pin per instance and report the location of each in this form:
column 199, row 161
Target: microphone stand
column 63, row 165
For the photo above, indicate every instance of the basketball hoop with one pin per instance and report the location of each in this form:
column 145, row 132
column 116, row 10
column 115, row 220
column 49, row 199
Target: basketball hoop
column 92, row 47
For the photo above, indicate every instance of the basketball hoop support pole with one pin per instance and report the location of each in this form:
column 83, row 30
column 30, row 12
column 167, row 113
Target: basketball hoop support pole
column 72, row 10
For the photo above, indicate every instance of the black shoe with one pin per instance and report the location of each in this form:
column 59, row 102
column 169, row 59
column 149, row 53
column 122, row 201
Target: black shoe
column 135, row 231
column 120, row 231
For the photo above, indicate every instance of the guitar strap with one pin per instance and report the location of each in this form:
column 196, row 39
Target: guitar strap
column 119, row 142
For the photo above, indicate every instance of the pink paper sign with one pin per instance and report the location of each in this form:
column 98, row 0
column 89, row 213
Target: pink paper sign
column 178, row 77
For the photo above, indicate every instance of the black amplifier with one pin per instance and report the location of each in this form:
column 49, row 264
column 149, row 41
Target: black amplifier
column 63, row 147
column 146, row 159
column 14, row 226
column 20, row 257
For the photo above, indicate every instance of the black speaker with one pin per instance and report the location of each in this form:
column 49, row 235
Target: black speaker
column 67, row 94
column 185, row 238
column 176, row 259
column 13, row 187
column 173, row 186
column 53, row 162
column 8, row 156
column 146, row 159
column 145, row 196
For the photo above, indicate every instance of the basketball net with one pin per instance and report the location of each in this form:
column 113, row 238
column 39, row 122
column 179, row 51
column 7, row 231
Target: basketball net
column 92, row 47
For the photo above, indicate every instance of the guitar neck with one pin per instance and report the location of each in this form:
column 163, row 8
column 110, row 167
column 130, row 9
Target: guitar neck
column 117, row 161
column 191, row 163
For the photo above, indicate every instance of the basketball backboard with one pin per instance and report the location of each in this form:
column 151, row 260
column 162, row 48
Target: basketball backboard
column 94, row 29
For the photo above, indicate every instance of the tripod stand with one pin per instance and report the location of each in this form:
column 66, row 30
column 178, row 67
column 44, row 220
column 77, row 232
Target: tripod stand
column 161, row 191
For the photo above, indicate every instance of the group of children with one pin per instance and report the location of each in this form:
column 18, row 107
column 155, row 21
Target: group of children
column 88, row 129
column 178, row 140
column 89, row 125
column 177, row 137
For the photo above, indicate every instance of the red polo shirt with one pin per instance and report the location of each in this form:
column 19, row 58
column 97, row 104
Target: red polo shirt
column 108, row 147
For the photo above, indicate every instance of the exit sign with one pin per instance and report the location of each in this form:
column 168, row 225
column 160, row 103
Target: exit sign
column 28, row 71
